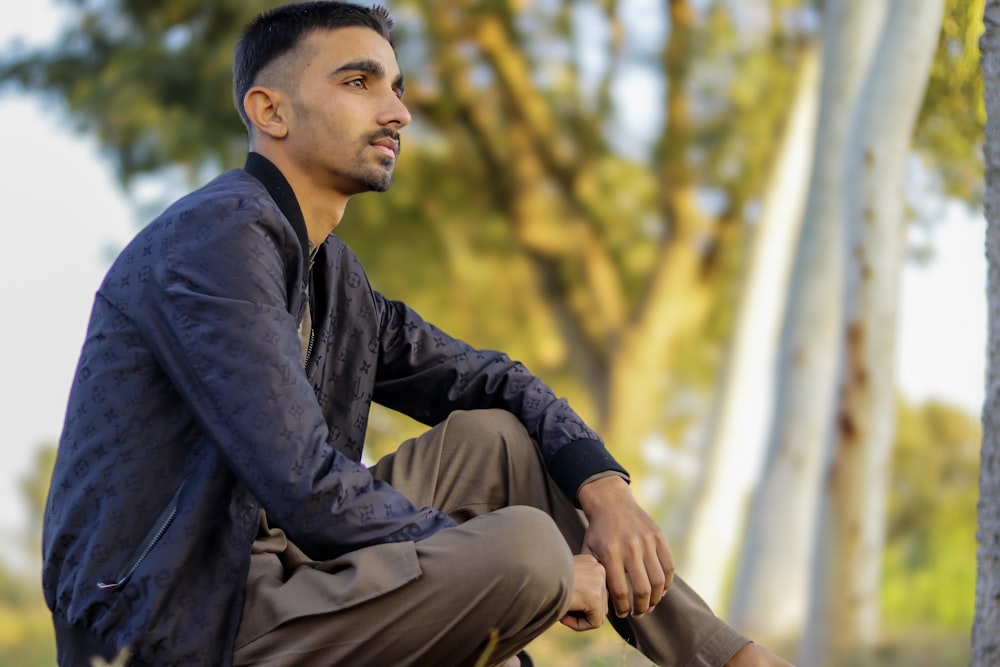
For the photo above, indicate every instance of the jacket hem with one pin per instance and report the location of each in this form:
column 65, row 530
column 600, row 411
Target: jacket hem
column 76, row 646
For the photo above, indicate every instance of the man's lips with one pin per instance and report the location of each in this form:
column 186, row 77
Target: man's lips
column 388, row 146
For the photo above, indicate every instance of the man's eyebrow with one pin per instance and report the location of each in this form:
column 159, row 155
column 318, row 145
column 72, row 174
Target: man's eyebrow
column 372, row 67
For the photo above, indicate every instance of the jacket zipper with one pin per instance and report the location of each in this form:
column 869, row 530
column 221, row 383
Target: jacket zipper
column 309, row 348
column 153, row 537
column 311, row 305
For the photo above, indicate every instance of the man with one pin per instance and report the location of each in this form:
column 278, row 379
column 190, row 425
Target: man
column 209, row 504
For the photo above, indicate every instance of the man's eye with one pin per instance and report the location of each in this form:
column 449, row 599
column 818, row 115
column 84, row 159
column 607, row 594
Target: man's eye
column 356, row 83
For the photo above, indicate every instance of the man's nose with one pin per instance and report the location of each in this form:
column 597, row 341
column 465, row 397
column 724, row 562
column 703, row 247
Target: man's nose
column 394, row 112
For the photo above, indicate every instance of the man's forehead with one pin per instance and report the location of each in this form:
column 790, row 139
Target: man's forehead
column 354, row 44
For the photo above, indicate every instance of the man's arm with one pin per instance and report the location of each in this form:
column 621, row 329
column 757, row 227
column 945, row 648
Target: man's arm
column 427, row 374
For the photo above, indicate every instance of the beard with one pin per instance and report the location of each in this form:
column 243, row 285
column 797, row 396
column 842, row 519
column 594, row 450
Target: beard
column 377, row 178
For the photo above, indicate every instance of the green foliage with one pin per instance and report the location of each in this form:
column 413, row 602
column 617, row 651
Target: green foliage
column 26, row 634
column 930, row 552
column 26, row 639
column 150, row 80
column 953, row 117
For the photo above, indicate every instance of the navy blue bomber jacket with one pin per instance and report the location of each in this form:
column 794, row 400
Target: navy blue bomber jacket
column 191, row 411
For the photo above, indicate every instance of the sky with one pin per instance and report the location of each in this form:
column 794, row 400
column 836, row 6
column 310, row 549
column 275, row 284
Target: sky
column 66, row 217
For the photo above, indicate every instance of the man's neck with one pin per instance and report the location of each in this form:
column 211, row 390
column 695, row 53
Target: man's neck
column 321, row 207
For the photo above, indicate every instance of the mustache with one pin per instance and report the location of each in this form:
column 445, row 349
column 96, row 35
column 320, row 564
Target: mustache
column 384, row 132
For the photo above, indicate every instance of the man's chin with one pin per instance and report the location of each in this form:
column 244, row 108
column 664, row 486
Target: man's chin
column 380, row 185
column 379, row 181
column 376, row 177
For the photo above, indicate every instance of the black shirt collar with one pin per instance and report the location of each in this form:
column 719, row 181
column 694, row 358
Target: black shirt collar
column 281, row 192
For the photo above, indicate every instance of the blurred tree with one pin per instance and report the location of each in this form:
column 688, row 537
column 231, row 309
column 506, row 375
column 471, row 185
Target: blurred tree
column 627, row 256
column 986, row 627
column 738, row 425
column 742, row 414
column 150, row 81
column 857, row 205
column 780, row 536
column 608, row 158
column 856, row 481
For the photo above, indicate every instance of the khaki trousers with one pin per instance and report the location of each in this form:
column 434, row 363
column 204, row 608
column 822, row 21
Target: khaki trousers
column 507, row 566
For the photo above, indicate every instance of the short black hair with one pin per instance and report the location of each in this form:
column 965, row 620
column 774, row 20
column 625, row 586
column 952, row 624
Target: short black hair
column 273, row 33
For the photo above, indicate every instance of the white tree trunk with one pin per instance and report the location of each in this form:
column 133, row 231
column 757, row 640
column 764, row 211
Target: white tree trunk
column 986, row 627
column 735, row 445
column 771, row 597
column 845, row 608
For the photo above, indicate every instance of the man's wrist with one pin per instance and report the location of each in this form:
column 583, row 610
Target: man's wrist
column 596, row 493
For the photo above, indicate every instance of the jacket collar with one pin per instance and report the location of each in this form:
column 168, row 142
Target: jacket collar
column 281, row 192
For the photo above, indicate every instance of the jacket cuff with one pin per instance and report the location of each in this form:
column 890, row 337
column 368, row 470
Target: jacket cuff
column 577, row 462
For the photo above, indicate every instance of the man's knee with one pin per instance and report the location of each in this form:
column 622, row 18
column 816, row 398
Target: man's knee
column 532, row 554
column 491, row 427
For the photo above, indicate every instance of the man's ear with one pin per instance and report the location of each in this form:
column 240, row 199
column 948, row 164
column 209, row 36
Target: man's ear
column 264, row 107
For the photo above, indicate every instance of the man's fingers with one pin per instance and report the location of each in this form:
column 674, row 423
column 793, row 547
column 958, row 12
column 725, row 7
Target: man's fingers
column 647, row 576
column 589, row 603
column 635, row 554
column 659, row 568
column 618, row 589
column 617, row 581
column 666, row 563
column 581, row 622
column 657, row 580
column 641, row 588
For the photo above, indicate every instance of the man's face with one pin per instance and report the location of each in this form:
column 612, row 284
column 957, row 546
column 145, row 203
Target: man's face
column 347, row 110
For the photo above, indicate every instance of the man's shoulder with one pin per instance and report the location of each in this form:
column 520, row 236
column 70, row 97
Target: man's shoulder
column 219, row 224
column 229, row 193
column 222, row 211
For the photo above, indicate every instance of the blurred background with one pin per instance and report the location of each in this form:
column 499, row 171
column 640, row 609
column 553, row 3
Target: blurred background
column 744, row 238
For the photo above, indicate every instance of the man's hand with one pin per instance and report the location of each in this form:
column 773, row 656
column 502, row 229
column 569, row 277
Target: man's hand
column 628, row 543
column 589, row 603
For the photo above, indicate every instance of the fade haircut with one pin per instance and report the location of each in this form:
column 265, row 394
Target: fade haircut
column 278, row 31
